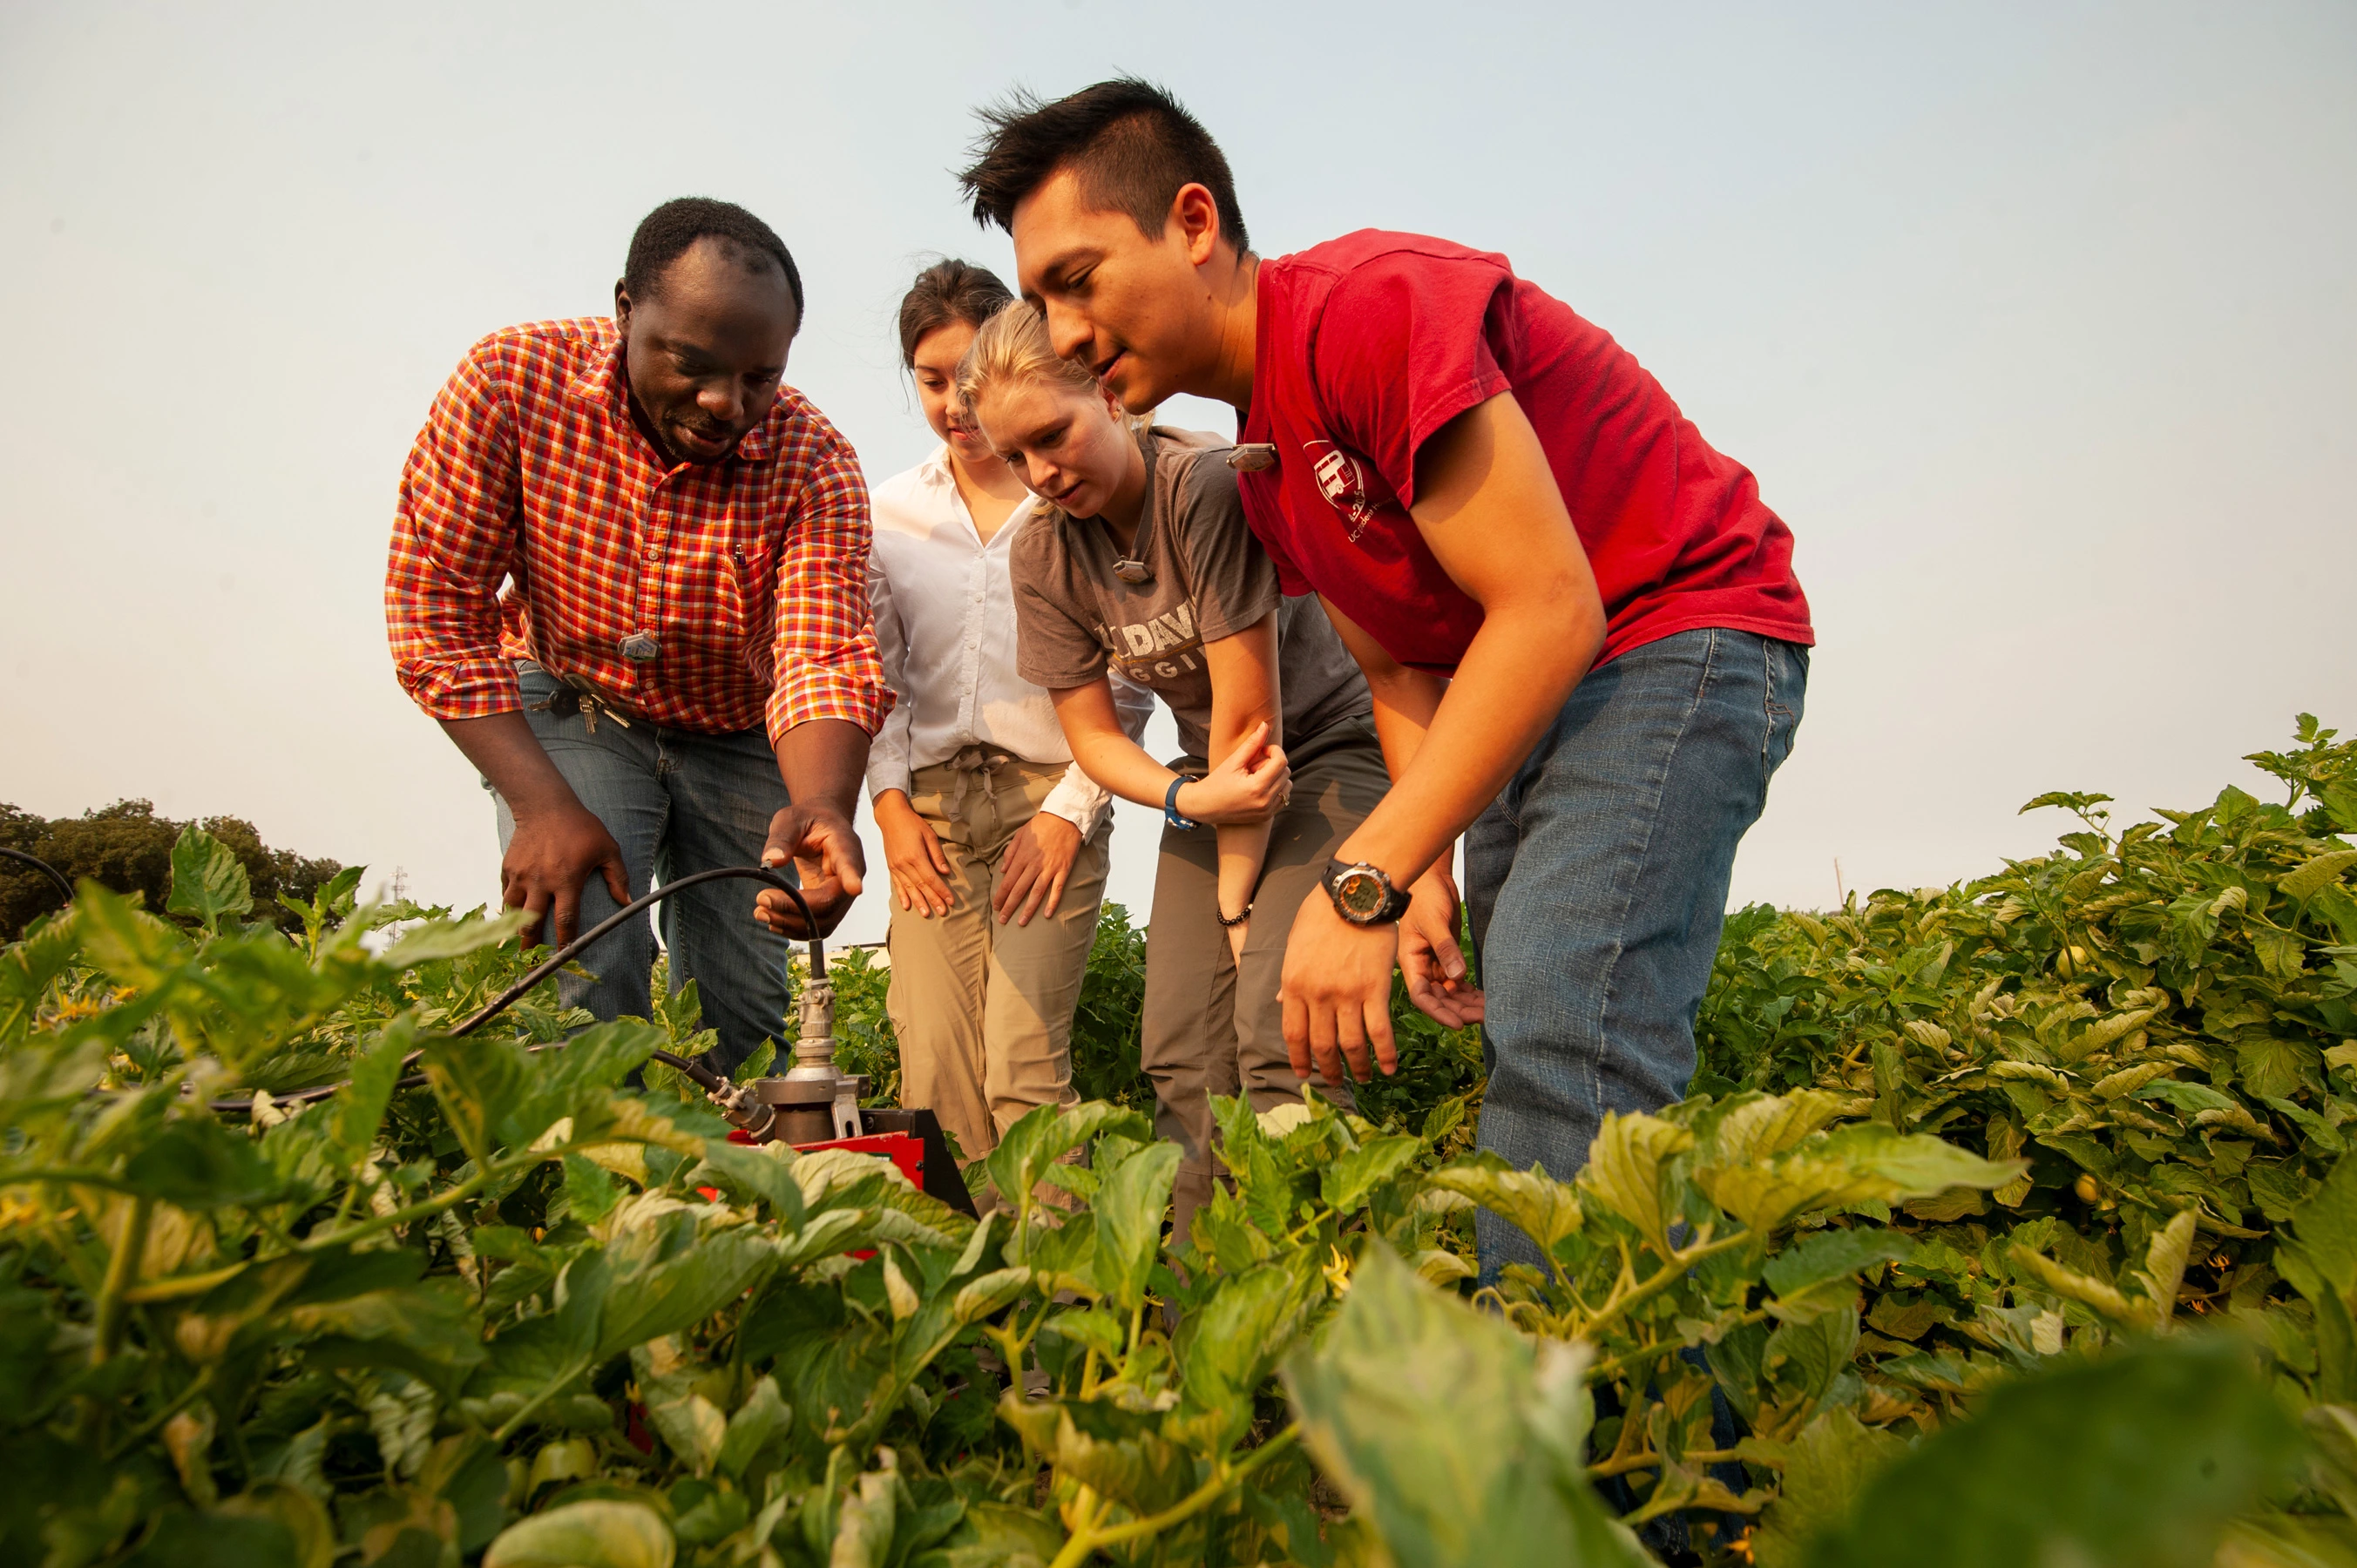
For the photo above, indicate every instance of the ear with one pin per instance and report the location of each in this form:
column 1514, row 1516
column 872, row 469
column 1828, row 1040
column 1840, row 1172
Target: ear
column 623, row 308
column 1195, row 213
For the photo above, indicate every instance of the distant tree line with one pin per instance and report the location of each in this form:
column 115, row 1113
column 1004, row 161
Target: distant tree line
column 128, row 848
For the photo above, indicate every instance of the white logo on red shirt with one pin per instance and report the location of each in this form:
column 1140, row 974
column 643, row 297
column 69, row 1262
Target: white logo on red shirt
column 1342, row 482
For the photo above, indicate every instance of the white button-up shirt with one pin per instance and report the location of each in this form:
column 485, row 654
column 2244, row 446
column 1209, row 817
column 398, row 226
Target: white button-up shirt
column 945, row 627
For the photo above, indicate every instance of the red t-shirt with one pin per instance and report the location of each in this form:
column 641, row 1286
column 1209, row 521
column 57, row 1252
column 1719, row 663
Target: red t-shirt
column 1368, row 344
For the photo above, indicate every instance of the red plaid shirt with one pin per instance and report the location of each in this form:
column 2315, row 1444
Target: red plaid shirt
column 750, row 573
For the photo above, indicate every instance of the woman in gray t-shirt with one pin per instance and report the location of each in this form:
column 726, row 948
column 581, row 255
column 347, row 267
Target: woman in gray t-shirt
column 1142, row 562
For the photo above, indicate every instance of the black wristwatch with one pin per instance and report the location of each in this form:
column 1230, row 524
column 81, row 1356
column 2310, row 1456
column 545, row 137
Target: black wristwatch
column 1362, row 894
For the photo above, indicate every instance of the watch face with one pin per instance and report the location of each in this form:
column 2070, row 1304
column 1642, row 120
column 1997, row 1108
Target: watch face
column 1359, row 893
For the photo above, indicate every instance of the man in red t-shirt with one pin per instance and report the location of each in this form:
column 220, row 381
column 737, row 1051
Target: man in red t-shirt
column 1581, row 624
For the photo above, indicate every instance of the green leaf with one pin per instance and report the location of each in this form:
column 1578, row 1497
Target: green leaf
column 1824, row 1468
column 208, row 881
column 1544, row 1209
column 478, row 1082
column 1624, row 1165
column 1095, row 1329
column 1449, row 1432
column 1835, row 1254
column 590, row 1193
column 2325, row 1227
column 1001, row 1535
column 864, row 1526
column 757, row 1171
column 2139, row 1460
column 1227, row 1346
column 673, row 1264
column 2274, row 1069
column 1130, row 1208
column 1807, row 1357
column 1345, row 1184
column 196, row 1163
column 355, row 1114
column 597, row 1058
column 671, row 1387
column 425, row 1329
column 452, row 938
column 978, row 1298
column 586, row 1535
column 2316, row 873
column 1856, row 1163
column 760, row 1419
column 1045, row 1135
column 219, row 1541
column 2191, row 1097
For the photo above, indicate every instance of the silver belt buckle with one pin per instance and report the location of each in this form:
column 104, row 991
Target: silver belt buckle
column 639, row 647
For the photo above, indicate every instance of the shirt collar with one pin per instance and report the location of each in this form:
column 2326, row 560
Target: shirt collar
column 604, row 382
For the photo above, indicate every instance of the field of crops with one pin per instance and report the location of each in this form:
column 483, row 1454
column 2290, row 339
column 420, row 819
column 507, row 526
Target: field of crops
column 2007, row 1224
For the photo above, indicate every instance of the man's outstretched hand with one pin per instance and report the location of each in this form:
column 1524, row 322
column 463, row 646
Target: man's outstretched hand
column 826, row 856
column 1429, row 957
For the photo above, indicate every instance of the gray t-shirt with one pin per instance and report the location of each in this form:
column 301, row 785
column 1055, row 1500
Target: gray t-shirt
column 1208, row 578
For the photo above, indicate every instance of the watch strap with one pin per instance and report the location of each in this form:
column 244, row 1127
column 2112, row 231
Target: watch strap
column 1170, row 813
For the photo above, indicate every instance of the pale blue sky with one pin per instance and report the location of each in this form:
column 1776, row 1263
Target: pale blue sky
column 2036, row 321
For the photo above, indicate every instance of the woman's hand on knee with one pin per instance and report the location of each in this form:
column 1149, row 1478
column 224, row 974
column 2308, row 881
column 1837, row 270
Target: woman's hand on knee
column 914, row 856
column 1038, row 863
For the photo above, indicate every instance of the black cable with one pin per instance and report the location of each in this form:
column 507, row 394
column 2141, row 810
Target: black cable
column 43, row 867
column 704, row 1078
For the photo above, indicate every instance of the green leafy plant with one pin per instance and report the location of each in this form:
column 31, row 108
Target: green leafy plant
column 1914, row 1275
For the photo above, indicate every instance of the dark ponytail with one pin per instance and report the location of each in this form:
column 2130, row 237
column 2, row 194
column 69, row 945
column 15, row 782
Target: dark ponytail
column 947, row 292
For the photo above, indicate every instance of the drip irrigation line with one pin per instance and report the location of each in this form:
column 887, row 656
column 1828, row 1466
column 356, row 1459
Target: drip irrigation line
column 43, row 867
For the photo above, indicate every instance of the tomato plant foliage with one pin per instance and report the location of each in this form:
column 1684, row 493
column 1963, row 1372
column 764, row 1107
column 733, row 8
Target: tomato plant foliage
column 2010, row 1223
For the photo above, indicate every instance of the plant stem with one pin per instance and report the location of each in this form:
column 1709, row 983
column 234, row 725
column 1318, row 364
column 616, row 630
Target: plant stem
column 484, row 1175
column 1670, row 1273
column 121, row 1270
column 140, row 1434
column 548, row 1391
column 1083, row 1541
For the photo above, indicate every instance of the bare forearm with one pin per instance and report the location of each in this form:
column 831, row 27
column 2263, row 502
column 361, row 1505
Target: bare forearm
column 823, row 762
column 1119, row 763
column 1242, row 847
column 505, row 751
column 1514, row 678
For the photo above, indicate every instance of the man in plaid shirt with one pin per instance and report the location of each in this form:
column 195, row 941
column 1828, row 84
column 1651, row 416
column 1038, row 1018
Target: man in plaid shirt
column 680, row 672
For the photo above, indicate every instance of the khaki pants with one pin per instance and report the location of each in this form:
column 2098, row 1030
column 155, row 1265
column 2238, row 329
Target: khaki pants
column 984, row 1010
column 1209, row 1029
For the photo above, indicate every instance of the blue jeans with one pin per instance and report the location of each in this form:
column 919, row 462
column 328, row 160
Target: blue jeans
column 678, row 804
column 1595, row 884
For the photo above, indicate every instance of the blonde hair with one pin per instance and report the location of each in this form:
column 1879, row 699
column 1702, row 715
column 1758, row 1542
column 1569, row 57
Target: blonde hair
column 1012, row 348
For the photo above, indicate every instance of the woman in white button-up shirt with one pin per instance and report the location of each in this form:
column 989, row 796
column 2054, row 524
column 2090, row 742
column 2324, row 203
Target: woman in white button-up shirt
column 996, row 841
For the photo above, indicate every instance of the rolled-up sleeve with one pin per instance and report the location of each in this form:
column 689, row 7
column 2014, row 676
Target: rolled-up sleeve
column 454, row 540
column 888, row 756
column 826, row 665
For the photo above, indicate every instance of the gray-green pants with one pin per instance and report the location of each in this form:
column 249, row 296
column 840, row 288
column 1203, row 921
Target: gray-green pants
column 1210, row 1029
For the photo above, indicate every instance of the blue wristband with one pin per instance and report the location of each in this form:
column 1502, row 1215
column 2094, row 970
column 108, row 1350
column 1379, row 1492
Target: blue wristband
column 1170, row 813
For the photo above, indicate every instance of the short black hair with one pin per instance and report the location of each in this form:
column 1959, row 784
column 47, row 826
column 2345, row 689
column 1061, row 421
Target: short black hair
column 1132, row 145
column 665, row 234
